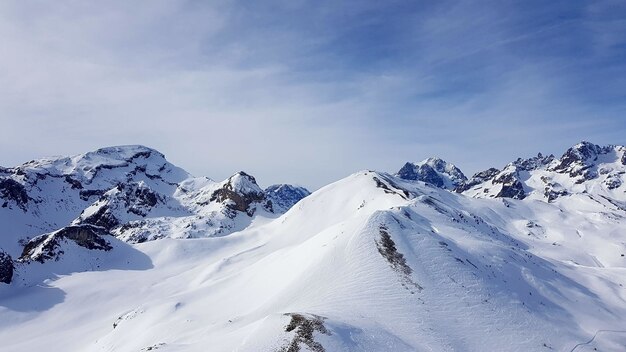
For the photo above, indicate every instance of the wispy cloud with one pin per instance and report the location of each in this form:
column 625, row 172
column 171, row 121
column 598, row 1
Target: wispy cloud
column 308, row 92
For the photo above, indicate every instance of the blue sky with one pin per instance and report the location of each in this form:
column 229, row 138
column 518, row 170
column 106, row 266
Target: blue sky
column 309, row 92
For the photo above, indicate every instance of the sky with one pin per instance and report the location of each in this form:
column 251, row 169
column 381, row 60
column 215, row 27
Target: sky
column 308, row 92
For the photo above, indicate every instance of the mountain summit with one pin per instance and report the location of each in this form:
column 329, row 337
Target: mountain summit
column 434, row 171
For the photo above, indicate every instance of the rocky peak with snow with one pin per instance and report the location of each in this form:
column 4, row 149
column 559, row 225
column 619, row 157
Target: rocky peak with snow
column 239, row 193
column 131, row 192
column 580, row 159
column 434, row 171
column 583, row 168
column 283, row 196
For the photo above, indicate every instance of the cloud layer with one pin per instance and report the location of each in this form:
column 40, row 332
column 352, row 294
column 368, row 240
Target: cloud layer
column 308, row 92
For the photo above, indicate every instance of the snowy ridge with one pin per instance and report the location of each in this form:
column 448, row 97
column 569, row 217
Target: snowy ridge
column 585, row 168
column 372, row 262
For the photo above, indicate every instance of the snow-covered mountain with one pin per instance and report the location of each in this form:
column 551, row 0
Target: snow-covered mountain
column 130, row 192
column 372, row 262
column 585, row 169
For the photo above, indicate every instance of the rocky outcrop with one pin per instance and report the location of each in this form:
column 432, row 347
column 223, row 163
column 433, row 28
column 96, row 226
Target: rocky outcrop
column 50, row 246
column 477, row 179
column 579, row 160
column 6, row 267
column 239, row 193
column 115, row 206
column 434, row 171
column 282, row 197
column 13, row 192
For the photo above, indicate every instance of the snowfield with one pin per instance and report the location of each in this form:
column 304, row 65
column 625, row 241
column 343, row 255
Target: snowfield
column 156, row 260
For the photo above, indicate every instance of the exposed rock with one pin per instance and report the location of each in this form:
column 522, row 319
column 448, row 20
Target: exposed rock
column 239, row 192
column 13, row 191
column 6, row 267
column 134, row 198
column 390, row 187
column 283, row 197
column 533, row 163
column 578, row 160
column 613, row 181
column 477, row 179
column 513, row 190
column 88, row 193
column 74, row 183
column 434, row 171
column 553, row 191
column 387, row 248
column 304, row 328
column 48, row 246
column 103, row 217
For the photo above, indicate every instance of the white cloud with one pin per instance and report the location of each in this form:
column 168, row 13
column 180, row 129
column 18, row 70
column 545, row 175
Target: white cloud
column 221, row 87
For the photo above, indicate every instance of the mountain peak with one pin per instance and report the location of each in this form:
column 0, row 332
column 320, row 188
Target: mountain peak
column 243, row 183
column 434, row 171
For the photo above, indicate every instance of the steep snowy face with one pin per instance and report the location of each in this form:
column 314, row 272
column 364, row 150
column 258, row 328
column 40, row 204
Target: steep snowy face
column 585, row 168
column 283, row 197
column 434, row 171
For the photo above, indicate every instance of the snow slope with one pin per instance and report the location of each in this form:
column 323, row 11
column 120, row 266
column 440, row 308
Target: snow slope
column 372, row 262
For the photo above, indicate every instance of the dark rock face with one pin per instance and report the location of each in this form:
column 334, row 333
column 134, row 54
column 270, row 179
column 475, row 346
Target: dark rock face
column 613, row 182
column 285, row 196
column 102, row 218
column 553, row 190
column 429, row 175
column 423, row 173
column 47, row 247
column 75, row 184
column 139, row 199
column 88, row 193
column 304, row 328
column 514, row 190
column 512, row 187
column 433, row 171
column 477, row 179
column 13, row 191
column 134, row 198
column 578, row 160
column 533, row 163
column 387, row 248
column 623, row 159
column 6, row 267
column 239, row 193
column 408, row 172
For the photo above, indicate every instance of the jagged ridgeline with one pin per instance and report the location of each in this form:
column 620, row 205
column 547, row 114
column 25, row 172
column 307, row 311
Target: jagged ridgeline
column 582, row 167
column 131, row 193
